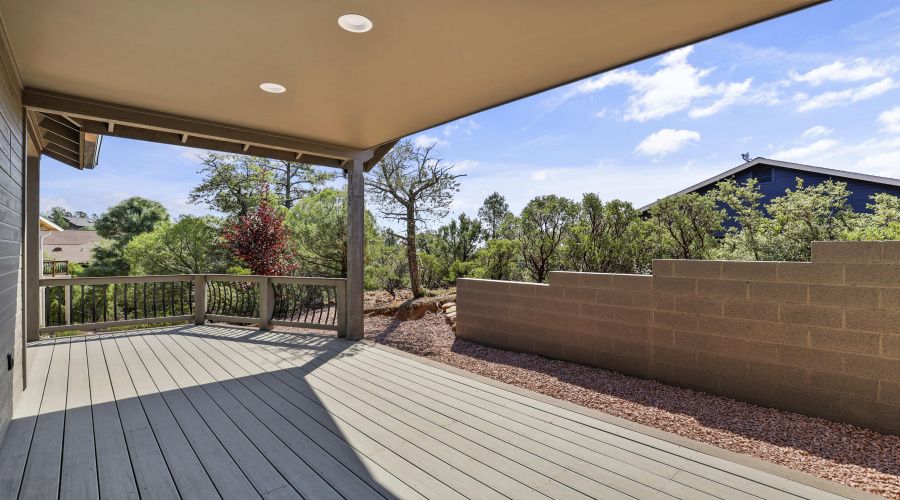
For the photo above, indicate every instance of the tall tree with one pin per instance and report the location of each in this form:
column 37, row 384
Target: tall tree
column 119, row 225
column 57, row 215
column 294, row 180
column 189, row 246
column 412, row 185
column 607, row 238
column 261, row 238
column 230, row 182
column 688, row 224
column 319, row 228
column 545, row 222
column 460, row 238
column 743, row 202
column 493, row 213
column 807, row 214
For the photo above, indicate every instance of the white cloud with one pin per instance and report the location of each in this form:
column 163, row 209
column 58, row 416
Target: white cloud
column 891, row 120
column 805, row 152
column 816, row 132
column 462, row 166
column 844, row 97
column 666, row 141
column 669, row 90
column 601, row 113
column 540, row 175
column 464, row 126
column 731, row 93
column 859, row 69
column 425, row 140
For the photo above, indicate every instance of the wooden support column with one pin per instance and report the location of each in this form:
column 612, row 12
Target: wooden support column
column 199, row 299
column 355, row 247
column 33, row 257
column 266, row 303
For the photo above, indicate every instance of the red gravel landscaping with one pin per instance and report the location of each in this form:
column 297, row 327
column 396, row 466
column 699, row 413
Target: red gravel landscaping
column 857, row 457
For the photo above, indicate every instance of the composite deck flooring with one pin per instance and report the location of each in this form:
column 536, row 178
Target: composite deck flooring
column 204, row 412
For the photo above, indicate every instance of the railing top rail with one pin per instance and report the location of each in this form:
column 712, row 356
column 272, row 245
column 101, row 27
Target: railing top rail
column 108, row 280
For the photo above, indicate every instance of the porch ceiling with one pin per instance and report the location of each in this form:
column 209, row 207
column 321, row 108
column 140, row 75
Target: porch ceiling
column 424, row 62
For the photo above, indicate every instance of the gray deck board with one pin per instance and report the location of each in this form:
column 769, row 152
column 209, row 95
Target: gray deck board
column 219, row 412
column 115, row 473
column 79, row 459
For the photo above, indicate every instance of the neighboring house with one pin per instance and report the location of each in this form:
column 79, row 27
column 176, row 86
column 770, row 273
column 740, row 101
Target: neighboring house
column 48, row 226
column 79, row 222
column 774, row 177
column 71, row 245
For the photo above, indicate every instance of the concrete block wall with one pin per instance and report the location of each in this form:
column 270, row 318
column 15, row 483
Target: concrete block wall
column 820, row 338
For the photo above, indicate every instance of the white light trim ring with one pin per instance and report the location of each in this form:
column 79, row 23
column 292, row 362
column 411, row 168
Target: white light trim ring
column 355, row 23
column 272, row 87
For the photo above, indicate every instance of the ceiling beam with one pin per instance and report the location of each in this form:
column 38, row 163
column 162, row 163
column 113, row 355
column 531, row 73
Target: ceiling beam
column 60, row 130
column 63, row 142
column 60, row 158
column 89, row 109
column 63, row 153
column 150, row 135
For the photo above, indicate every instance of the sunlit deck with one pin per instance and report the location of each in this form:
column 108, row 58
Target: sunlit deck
column 215, row 412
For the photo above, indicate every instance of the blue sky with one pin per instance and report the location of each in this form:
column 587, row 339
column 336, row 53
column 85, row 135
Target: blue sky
column 820, row 87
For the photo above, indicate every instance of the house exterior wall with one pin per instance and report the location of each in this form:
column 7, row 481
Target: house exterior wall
column 12, row 168
column 819, row 338
column 786, row 178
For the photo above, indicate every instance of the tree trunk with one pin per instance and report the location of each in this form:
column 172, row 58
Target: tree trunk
column 411, row 255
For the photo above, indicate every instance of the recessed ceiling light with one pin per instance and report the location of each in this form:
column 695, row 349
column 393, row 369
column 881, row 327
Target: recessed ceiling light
column 355, row 23
column 272, row 87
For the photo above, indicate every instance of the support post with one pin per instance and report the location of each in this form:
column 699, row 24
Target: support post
column 199, row 299
column 266, row 303
column 68, row 305
column 355, row 247
column 33, row 257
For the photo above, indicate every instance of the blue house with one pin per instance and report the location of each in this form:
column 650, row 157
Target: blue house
column 774, row 177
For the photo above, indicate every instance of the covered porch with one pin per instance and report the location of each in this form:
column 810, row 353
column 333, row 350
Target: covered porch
column 225, row 412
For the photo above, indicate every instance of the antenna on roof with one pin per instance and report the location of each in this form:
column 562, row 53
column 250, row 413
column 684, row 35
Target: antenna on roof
column 746, row 157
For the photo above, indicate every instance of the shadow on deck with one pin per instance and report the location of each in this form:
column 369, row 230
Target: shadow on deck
column 219, row 412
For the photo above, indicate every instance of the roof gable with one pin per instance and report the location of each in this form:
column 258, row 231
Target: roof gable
column 783, row 164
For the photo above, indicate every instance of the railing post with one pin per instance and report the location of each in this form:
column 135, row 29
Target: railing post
column 68, row 304
column 342, row 309
column 266, row 303
column 199, row 299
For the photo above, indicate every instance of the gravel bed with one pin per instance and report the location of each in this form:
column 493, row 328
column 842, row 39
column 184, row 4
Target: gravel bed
column 857, row 457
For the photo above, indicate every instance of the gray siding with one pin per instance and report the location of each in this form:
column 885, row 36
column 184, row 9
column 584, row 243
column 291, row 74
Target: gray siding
column 12, row 167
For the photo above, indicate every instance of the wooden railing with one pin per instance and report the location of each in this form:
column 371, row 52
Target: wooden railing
column 97, row 303
column 56, row 268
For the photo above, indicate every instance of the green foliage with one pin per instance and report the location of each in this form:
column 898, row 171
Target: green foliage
column 189, row 246
column 386, row 264
column 57, row 216
column 497, row 261
column 119, row 225
column 545, row 223
column 686, row 225
column 319, row 228
column 230, row 182
column 608, row 238
column 804, row 215
column 493, row 213
column 882, row 224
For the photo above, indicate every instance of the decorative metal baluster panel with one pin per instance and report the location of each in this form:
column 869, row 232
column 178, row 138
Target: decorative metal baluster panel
column 305, row 303
column 239, row 299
